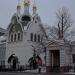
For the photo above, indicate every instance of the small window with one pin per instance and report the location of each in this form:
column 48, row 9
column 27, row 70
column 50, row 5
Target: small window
column 11, row 38
column 18, row 36
column 38, row 38
column 35, row 38
column 21, row 36
column 15, row 37
column 35, row 21
column 31, row 36
column 25, row 27
column 3, row 62
column 73, row 56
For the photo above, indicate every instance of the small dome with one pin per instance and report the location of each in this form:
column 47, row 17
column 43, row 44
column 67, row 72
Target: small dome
column 26, row 2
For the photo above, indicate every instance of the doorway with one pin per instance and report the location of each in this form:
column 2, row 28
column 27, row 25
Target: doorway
column 55, row 59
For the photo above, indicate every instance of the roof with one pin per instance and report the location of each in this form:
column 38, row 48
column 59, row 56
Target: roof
column 2, row 31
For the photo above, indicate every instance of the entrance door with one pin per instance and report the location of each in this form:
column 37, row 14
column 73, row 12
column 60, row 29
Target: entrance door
column 55, row 58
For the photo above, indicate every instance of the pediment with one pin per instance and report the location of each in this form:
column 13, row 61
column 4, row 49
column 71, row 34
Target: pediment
column 56, row 42
column 53, row 43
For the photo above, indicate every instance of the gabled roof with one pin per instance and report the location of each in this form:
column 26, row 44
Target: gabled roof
column 14, row 20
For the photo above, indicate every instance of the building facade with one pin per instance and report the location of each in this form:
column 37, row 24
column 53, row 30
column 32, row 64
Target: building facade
column 2, row 53
column 60, row 56
column 24, row 35
column 2, row 47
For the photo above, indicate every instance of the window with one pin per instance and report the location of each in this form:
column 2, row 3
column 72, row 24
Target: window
column 38, row 38
column 3, row 62
column 35, row 38
column 25, row 27
column 35, row 21
column 11, row 38
column 21, row 36
column 31, row 36
column 18, row 36
column 73, row 56
column 15, row 37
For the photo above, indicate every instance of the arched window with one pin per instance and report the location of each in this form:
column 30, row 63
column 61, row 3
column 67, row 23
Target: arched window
column 15, row 37
column 15, row 33
column 38, row 38
column 35, row 38
column 31, row 37
column 18, row 36
column 12, row 38
column 21, row 36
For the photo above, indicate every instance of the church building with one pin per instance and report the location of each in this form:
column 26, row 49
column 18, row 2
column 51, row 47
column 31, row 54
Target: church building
column 24, row 35
column 26, row 40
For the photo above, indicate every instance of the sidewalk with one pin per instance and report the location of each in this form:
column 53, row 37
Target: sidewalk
column 36, row 71
column 43, row 71
column 69, row 73
column 32, row 71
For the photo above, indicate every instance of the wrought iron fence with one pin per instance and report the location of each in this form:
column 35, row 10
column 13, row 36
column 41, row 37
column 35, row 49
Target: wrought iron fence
column 10, row 68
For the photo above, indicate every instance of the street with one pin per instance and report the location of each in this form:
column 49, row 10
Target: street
column 23, row 73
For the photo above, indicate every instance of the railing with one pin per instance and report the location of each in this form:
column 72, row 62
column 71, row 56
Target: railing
column 62, row 69
column 5, row 68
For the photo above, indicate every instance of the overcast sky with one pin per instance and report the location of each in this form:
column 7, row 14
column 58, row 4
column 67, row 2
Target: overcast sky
column 46, row 9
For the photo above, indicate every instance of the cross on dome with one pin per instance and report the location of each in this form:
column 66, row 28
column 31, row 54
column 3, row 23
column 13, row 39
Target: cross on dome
column 18, row 4
column 34, row 7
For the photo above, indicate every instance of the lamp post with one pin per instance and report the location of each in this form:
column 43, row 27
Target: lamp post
column 34, row 57
column 45, row 55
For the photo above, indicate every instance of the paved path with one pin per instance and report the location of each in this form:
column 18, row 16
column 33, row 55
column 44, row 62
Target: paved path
column 13, row 73
column 25, row 73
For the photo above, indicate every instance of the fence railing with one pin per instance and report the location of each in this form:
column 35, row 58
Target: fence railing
column 10, row 68
column 5, row 68
column 61, row 69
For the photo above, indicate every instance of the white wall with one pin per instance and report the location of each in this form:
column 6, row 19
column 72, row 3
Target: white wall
column 23, row 49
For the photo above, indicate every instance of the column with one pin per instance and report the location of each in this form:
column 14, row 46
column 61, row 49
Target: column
column 48, row 61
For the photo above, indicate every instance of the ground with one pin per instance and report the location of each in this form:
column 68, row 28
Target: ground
column 13, row 73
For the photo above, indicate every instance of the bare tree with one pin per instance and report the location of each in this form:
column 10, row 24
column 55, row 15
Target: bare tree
column 64, row 21
column 52, row 32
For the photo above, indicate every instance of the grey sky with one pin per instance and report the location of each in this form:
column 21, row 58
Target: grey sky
column 46, row 9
